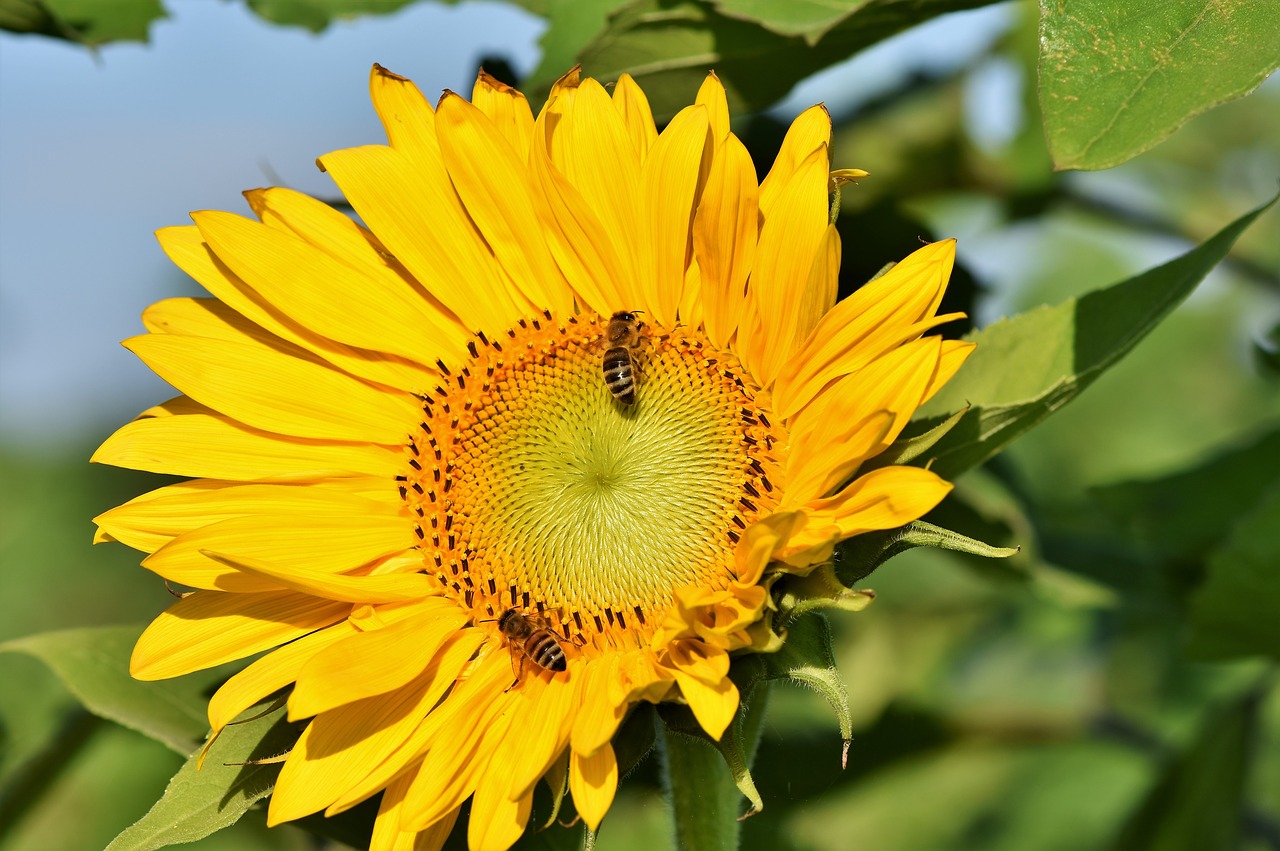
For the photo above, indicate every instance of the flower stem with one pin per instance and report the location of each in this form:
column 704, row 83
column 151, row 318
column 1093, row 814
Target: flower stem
column 704, row 799
column 706, row 783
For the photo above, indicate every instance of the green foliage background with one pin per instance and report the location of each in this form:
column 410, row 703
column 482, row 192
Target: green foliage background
column 1112, row 686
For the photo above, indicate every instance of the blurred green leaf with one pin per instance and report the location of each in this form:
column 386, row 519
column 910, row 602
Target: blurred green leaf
column 94, row 665
column 972, row 796
column 1266, row 351
column 809, row 18
column 89, row 22
column 1234, row 612
column 670, row 45
column 317, row 15
column 570, row 25
column 1198, row 802
column 1172, row 515
column 1116, row 78
column 1027, row 367
column 201, row 801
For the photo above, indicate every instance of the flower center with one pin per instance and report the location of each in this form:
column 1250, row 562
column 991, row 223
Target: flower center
column 534, row 488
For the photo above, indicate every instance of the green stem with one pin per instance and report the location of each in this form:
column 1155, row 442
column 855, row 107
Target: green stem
column 704, row 799
column 706, row 782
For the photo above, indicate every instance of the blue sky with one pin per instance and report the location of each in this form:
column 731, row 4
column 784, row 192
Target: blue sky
column 96, row 152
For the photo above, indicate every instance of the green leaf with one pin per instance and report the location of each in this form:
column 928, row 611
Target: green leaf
column 1234, row 612
column 201, row 801
column 809, row 18
column 980, row 795
column 570, row 25
column 1029, row 366
column 1198, row 802
column 1266, row 352
column 1117, row 78
column 1171, row 514
column 93, row 663
column 635, row 738
column 670, row 45
column 317, row 15
column 89, row 22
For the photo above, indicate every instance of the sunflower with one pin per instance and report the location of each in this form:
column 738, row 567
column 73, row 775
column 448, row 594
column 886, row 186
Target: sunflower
column 404, row 446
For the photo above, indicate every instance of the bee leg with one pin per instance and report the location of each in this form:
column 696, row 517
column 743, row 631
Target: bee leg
column 518, row 671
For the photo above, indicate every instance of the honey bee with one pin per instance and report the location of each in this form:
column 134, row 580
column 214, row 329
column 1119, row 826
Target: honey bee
column 530, row 639
column 622, row 337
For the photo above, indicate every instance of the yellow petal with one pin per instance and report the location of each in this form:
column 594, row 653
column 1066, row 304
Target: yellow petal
column 856, row 418
column 323, row 543
column 584, row 251
column 387, row 835
column 880, row 316
column 491, row 180
column 496, row 822
column 334, row 233
column 690, row 312
column 593, row 780
column 380, row 660
column 387, row 588
column 711, row 95
column 181, row 438
column 331, row 298
column 761, row 540
column 713, row 705
column 670, row 181
column 208, row 628
column 157, row 517
column 601, row 711
column 789, row 241
column 724, row 237
column 545, row 715
column 809, row 132
column 187, row 249
column 821, row 289
column 444, row 669
column 508, row 109
column 882, row 499
column 477, row 722
column 407, row 117
column 208, row 317
column 637, row 117
column 341, row 744
column 270, row 674
column 588, row 144
column 954, row 354
column 266, row 390
column 695, row 658
column 412, row 208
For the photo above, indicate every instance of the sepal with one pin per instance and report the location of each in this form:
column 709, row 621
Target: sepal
column 857, row 557
column 909, row 447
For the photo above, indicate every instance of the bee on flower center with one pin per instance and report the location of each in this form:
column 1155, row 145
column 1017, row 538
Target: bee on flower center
column 530, row 639
column 622, row 336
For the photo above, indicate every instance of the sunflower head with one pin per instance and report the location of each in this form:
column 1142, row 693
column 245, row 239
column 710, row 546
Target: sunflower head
column 542, row 434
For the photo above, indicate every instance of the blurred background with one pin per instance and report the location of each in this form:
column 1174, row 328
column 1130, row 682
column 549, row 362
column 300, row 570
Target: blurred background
column 1045, row 702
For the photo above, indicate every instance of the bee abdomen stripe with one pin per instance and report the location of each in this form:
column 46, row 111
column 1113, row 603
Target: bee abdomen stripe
column 546, row 651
